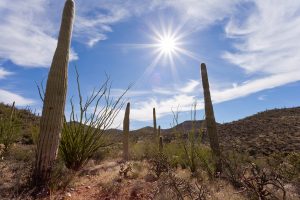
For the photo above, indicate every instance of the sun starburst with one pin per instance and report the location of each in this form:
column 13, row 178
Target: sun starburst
column 167, row 45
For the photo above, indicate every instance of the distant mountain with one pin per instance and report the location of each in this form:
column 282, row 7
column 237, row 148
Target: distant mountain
column 264, row 133
column 276, row 130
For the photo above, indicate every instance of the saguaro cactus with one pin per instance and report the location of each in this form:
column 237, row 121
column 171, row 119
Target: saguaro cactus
column 161, row 146
column 54, row 101
column 210, row 120
column 154, row 122
column 158, row 133
column 159, row 138
column 126, row 133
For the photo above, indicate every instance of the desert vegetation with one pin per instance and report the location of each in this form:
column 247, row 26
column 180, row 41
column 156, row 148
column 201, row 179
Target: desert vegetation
column 79, row 156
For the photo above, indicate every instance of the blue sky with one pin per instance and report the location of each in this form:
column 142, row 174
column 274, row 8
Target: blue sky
column 251, row 48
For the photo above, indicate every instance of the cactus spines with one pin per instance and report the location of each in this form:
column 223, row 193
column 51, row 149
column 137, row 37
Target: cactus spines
column 154, row 122
column 126, row 133
column 210, row 120
column 54, row 101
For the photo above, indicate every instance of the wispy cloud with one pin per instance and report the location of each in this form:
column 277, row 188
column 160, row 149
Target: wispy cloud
column 29, row 29
column 9, row 97
column 141, row 109
column 163, row 99
column 4, row 73
column 201, row 14
column 266, row 44
column 262, row 97
column 27, row 37
column 254, row 86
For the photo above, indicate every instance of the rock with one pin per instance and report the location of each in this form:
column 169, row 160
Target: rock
column 68, row 194
column 88, row 187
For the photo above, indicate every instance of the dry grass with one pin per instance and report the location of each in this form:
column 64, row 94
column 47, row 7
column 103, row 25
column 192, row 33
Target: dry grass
column 103, row 181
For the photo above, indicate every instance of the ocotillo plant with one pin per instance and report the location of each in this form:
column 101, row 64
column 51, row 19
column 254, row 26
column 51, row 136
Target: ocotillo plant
column 210, row 120
column 54, row 101
column 126, row 133
column 154, row 122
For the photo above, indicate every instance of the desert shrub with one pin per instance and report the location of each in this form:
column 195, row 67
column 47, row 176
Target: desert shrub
column 172, row 187
column 143, row 150
column 24, row 155
column 233, row 164
column 187, row 140
column 111, row 189
column 261, row 183
column 84, row 133
column 137, row 166
column 288, row 166
column 176, row 155
column 206, row 161
column 101, row 154
column 159, row 164
column 59, row 171
column 9, row 129
column 35, row 133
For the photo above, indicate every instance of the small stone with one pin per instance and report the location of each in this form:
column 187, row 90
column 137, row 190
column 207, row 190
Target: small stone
column 88, row 187
column 68, row 194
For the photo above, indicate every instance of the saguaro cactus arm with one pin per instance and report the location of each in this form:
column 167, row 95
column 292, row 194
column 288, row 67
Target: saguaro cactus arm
column 210, row 120
column 126, row 133
column 54, row 102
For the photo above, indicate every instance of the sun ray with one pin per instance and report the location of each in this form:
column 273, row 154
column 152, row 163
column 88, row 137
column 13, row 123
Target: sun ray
column 168, row 46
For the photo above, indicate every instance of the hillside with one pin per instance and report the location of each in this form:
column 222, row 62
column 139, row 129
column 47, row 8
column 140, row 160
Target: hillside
column 26, row 121
column 276, row 130
column 106, row 176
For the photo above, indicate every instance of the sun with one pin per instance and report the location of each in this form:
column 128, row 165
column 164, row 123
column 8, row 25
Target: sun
column 167, row 45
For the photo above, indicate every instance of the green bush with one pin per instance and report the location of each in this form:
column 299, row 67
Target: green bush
column 233, row 164
column 35, row 133
column 188, row 141
column 206, row 161
column 143, row 150
column 288, row 166
column 84, row 133
column 9, row 129
column 24, row 155
column 176, row 155
column 59, row 171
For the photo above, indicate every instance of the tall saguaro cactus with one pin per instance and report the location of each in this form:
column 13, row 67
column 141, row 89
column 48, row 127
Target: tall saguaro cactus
column 154, row 122
column 210, row 120
column 54, row 101
column 126, row 133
